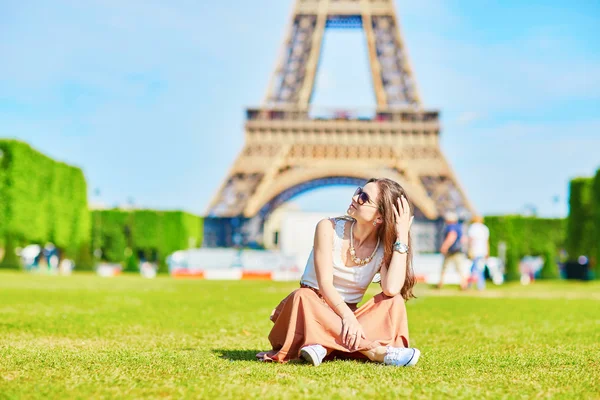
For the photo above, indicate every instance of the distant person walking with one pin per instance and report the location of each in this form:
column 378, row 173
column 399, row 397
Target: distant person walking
column 452, row 249
column 479, row 250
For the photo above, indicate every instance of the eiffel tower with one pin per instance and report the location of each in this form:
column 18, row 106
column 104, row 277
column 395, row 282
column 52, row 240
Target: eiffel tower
column 287, row 152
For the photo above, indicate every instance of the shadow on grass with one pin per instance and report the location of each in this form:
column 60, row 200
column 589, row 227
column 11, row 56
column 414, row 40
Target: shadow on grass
column 250, row 355
column 237, row 355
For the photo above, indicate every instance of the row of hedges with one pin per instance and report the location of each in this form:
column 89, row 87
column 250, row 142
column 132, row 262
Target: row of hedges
column 41, row 200
column 527, row 236
column 596, row 208
column 125, row 236
column 583, row 223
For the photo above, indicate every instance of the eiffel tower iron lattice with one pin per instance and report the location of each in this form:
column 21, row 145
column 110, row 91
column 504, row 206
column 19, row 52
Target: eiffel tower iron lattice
column 286, row 152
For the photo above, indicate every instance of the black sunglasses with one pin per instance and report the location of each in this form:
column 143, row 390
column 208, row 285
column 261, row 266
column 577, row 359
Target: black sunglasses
column 363, row 198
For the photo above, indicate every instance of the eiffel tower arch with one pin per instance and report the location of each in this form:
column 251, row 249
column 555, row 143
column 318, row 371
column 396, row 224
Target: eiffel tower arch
column 287, row 152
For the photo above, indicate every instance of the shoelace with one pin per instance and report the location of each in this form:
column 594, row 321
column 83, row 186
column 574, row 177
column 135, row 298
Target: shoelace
column 395, row 350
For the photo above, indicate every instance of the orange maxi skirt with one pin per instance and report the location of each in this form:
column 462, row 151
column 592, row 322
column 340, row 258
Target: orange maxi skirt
column 304, row 318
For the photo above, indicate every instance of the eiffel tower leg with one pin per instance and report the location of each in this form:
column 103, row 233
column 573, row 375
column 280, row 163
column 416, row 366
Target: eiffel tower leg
column 293, row 80
column 287, row 152
column 312, row 63
column 373, row 60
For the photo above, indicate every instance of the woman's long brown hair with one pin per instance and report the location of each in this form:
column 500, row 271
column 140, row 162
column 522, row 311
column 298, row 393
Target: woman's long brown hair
column 389, row 192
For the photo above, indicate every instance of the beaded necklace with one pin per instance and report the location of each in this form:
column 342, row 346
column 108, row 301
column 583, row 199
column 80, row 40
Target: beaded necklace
column 360, row 261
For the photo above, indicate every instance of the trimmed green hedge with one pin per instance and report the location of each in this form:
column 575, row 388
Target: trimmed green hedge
column 596, row 214
column 527, row 236
column 151, row 234
column 581, row 226
column 10, row 260
column 41, row 200
column 550, row 268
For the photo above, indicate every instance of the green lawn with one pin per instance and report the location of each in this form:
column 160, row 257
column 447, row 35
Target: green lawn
column 88, row 337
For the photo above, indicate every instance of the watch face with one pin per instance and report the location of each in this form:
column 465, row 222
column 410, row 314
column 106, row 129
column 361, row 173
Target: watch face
column 401, row 247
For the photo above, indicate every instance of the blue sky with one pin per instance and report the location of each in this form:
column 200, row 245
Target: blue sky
column 148, row 97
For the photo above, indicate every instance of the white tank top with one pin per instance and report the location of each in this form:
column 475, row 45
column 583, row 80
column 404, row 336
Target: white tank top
column 350, row 282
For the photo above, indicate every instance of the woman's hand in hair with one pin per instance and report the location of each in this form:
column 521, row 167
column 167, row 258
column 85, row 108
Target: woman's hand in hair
column 403, row 218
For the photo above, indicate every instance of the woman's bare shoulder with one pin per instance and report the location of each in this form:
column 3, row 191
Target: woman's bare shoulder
column 326, row 225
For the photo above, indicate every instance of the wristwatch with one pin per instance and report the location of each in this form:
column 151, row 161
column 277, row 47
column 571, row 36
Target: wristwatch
column 401, row 248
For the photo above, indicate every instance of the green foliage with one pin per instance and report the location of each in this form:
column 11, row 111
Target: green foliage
column 512, row 264
column 5, row 158
column 84, row 260
column 163, row 267
column 112, row 239
column 10, row 260
column 524, row 236
column 550, row 268
column 132, row 263
column 596, row 215
column 42, row 200
column 581, row 229
column 158, row 233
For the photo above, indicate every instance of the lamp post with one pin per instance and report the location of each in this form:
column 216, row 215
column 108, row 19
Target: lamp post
column 530, row 209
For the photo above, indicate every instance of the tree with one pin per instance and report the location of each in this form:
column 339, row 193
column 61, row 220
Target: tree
column 132, row 263
column 11, row 260
column 84, row 260
column 512, row 264
column 550, row 268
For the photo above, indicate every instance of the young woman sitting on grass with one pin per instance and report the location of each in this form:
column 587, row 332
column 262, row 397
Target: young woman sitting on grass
column 321, row 319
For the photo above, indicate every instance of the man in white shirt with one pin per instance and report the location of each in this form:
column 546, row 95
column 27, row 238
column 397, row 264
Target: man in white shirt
column 479, row 249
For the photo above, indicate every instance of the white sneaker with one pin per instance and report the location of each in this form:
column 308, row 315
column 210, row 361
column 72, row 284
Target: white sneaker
column 401, row 356
column 313, row 354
